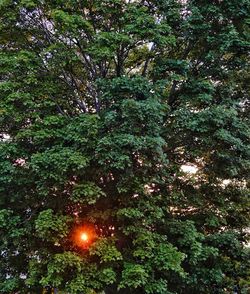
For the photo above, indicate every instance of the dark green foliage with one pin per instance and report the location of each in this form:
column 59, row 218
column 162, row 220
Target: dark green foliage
column 102, row 105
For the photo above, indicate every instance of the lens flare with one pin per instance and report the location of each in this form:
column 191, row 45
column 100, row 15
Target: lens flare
column 84, row 235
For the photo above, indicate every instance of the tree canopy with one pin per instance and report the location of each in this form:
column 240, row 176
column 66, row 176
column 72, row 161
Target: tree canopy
column 130, row 120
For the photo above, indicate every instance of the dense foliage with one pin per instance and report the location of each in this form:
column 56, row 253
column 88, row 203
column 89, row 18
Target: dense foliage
column 103, row 105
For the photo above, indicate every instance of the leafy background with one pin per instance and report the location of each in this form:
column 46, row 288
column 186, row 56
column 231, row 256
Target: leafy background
column 102, row 104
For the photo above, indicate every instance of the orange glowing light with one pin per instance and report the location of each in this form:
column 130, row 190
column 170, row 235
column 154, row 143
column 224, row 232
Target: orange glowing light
column 84, row 237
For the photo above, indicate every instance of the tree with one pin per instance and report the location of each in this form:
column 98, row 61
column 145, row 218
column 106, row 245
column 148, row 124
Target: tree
column 104, row 103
